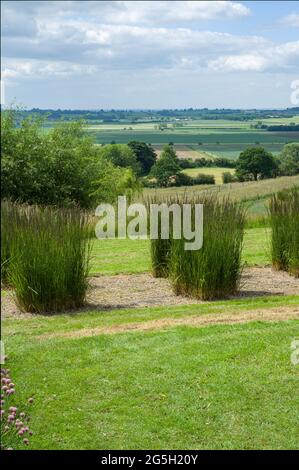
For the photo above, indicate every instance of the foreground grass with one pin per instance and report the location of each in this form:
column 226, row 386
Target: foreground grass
column 133, row 256
column 223, row 387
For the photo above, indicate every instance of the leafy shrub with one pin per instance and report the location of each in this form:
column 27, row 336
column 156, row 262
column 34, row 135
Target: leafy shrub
column 228, row 177
column 284, row 220
column 121, row 155
column 48, row 256
column 183, row 180
column 205, row 162
column 289, row 159
column 204, row 179
column 61, row 167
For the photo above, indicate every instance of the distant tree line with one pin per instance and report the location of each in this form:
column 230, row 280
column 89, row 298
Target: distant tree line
column 132, row 116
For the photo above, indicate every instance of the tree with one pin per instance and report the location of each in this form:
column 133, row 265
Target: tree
column 145, row 155
column 62, row 167
column 167, row 168
column 289, row 159
column 256, row 163
column 114, row 181
column 121, row 155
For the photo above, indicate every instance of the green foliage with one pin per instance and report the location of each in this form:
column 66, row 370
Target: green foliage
column 228, row 177
column 182, row 179
column 166, row 168
column 145, row 155
column 114, row 181
column 256, row 163
column 121, row 155
column 289, row 159
column 284, row 220
column 61, row 167
column 201, row 178
column 204, row 162
column 48, row 256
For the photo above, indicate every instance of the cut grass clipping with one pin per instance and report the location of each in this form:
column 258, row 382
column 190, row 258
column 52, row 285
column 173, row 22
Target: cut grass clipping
column 214, row 270
column 284, row 219
column 48, row 256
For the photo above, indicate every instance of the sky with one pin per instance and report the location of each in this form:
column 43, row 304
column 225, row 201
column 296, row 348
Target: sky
column 149, row 54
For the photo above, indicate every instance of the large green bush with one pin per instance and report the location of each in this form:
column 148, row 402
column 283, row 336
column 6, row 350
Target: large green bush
column 60, row 166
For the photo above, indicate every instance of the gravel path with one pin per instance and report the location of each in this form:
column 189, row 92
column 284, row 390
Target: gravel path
column 142, row 290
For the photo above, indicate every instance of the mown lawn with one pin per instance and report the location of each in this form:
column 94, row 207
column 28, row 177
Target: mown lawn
column 133, row 256
column 223, row 387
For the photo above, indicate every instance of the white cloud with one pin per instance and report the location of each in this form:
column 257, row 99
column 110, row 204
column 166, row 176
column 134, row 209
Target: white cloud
column 284, row 56
column 243, row 63
column 145, row 12
column 291, row 20
column 16, row 68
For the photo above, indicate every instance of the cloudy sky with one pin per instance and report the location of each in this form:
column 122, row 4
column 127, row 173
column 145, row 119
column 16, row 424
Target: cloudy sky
column 149, row 54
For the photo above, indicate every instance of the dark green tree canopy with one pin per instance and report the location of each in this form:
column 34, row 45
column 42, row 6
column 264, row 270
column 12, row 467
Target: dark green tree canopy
column 167, row 167
column 145, row 155
column 256, row 163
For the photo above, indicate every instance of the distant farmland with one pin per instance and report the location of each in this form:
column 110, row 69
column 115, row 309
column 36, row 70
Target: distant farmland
column 195, row 138
column 217, row 138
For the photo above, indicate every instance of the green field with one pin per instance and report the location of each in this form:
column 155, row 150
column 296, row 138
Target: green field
column 164, row 137
column 219, row 137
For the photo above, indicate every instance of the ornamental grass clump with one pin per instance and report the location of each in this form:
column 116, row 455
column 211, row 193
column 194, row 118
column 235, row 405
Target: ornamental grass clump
column 284, row 220
column 10, row 217
column 214, row 270
column 49, row 258
column 160, row 247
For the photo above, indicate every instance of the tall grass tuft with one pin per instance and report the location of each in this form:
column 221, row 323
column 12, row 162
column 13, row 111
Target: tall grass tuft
column 160, row 248
column 9, row 217
column 284, row 220
column 214, row 270
column 49, row 257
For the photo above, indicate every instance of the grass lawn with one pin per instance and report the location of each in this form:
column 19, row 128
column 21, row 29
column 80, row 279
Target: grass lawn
column 215, row 171
column 223, row 387
column 133, row 256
